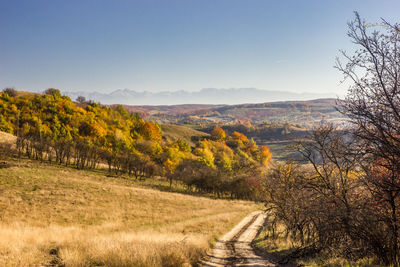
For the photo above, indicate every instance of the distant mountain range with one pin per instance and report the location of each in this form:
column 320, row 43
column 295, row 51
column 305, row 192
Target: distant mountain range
column 205, row 96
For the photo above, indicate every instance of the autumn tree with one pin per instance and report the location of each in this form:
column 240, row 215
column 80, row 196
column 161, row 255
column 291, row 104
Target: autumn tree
column 218, row 133
column 334, row 156
column 240, row 138
column 265, row 155
column 53, row 92
column 288, row 201
column 172, row 157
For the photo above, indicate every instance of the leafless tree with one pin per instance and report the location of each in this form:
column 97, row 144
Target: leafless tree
column 373, row 100
column 373, row 106
column 81, row 99
column 10, row 91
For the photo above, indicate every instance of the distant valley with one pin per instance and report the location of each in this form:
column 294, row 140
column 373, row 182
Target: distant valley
column 303, row 113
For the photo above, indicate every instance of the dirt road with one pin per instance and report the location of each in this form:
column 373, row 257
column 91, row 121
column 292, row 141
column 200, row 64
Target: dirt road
column 234, row 248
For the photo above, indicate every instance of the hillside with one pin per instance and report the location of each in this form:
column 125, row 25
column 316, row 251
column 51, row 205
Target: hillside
column 55, row 216
column 175, row 132
column 51, row 127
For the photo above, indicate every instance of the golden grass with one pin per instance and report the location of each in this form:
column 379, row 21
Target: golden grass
column 52, row 215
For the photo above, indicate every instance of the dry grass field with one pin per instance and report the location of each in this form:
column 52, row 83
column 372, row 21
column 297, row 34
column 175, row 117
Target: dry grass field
column 54, row 216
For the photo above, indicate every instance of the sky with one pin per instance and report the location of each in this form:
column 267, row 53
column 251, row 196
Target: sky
column 170, row 45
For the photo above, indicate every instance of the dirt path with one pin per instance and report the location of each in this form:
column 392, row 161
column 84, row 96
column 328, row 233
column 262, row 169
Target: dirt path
column 234, row 248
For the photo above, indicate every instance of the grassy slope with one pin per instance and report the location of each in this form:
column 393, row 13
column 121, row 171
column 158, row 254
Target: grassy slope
column 55, row 215
column 7, row 138
column 25, row 93
column 89, row 219
column 174, row 132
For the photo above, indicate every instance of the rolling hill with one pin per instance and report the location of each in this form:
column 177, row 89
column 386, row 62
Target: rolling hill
column 304, row 113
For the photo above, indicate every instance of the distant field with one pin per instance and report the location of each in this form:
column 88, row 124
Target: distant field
column 52, row 215
column 282, row 150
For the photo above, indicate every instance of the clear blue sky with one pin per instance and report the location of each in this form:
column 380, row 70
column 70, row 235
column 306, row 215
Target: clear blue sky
column 104, row 45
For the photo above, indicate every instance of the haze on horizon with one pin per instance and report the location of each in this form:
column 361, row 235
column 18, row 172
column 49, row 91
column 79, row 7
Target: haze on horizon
column 155, row 46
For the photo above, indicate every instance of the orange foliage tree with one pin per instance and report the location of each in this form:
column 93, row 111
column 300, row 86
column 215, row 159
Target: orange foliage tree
column 218, row 133
column 265, row 155
column 240, row 137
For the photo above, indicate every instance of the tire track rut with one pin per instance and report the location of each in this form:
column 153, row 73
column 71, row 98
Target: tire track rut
column 234, row 248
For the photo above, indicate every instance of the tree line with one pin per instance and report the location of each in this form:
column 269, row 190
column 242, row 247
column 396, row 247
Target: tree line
column 51, row 127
